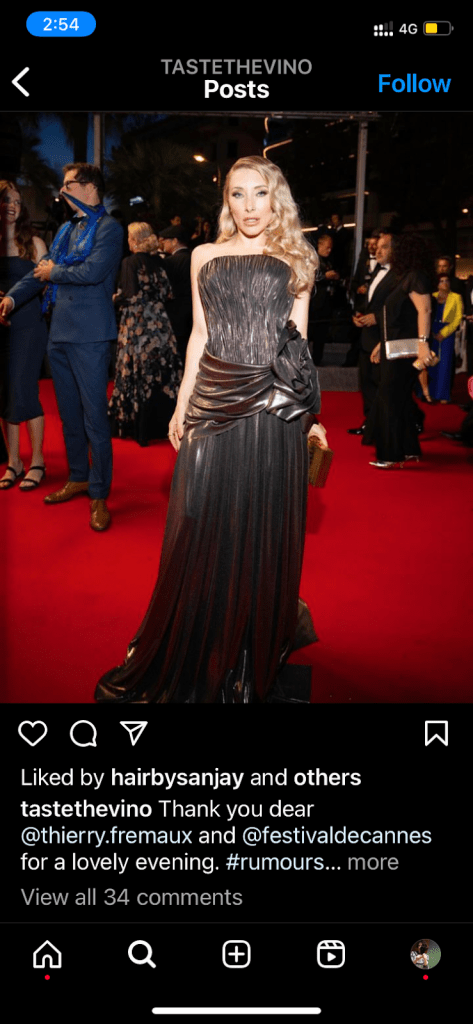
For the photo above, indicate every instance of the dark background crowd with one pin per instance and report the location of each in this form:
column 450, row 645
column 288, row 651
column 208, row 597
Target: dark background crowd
column 165, row 175
column 342, row 304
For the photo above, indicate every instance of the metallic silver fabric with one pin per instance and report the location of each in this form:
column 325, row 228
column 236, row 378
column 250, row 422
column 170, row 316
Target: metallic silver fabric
column 225, row 392
column 225, row 612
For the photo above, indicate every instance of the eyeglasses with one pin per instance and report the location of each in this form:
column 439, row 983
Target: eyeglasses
column 73, row 181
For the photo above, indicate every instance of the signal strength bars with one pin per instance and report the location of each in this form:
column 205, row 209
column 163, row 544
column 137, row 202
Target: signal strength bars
column 384, row 30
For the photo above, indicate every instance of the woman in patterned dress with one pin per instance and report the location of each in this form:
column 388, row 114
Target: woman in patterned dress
column 149, row 368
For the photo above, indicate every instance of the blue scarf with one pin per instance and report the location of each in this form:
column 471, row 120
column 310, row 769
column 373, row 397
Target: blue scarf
column 81, row 250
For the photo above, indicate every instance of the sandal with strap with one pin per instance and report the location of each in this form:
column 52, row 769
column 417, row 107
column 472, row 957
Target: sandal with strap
column 33, row 484
column 6, row 484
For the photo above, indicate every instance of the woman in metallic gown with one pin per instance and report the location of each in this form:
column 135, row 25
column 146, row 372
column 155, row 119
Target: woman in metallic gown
column 225, row 613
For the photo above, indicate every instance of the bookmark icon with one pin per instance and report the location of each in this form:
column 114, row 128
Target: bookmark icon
column 431, row 733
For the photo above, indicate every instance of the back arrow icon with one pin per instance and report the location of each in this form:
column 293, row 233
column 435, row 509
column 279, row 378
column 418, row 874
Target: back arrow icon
column 16, row 82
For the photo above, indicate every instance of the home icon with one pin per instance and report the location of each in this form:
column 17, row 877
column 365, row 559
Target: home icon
column 47, row 956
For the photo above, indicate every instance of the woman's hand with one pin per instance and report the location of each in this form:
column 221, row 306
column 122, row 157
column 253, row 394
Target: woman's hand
column 368, row 320
column 176, row 429
column 375, row 356
column 6, row 305
column 43, row 270
column 423, row 353
column 317, row 430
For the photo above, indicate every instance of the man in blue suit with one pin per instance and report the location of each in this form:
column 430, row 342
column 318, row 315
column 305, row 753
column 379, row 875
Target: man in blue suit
column 82, row 281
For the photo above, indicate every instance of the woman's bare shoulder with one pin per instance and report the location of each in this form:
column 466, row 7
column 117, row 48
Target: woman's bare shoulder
column 202, row 253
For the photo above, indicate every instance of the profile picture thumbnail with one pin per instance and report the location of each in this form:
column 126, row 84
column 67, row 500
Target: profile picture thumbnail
column 425, row 953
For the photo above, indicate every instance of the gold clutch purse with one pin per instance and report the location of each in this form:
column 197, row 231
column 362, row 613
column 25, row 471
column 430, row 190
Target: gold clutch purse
column 320, row 460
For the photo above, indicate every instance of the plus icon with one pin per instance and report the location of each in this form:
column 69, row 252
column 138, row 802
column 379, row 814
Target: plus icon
column 236, row 953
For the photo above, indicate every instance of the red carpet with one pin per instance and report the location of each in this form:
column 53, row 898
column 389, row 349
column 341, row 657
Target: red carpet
column 387, row 570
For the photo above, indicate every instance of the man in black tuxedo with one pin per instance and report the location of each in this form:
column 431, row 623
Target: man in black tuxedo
column 367, row 263
column 340, row 240
column 178, row 269
column 359, row 285
column 379, row 287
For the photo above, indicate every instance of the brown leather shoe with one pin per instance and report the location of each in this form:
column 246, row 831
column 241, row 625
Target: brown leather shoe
column 99, row 515
column 70, row 490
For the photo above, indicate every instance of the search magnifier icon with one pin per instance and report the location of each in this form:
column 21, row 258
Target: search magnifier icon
column 143, row 960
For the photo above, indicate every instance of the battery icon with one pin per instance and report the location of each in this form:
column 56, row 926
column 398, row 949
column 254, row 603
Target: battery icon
column 437, row 28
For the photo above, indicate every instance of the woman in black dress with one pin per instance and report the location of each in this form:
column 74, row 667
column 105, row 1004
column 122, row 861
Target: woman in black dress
column 392, row 423
column 149, row 368
column 22, row 344
column 225, row 612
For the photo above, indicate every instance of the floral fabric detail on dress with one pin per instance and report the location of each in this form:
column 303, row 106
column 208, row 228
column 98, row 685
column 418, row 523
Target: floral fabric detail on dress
column 148, row 362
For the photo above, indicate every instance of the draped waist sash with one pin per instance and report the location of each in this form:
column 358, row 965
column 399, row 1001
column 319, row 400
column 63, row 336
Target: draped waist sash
column 225, row 392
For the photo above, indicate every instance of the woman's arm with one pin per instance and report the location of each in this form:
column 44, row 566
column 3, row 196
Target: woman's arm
column 195, row 348
column 40, row 249
column 300, row 310
column 375, row 356
column 300, row 316
column 423, row 304
column 128, row 284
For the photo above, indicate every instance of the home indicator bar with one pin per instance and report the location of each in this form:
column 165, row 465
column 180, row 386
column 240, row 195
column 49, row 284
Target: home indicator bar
column 194, row 1011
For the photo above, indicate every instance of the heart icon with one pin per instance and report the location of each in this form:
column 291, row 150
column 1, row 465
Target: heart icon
column 30, row 727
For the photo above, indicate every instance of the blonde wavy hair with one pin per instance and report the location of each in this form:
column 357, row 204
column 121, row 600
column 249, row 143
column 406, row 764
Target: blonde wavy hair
column 284, row 234
column 144, row 235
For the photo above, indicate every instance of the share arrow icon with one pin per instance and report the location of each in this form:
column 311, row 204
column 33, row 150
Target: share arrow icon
column 134, row 730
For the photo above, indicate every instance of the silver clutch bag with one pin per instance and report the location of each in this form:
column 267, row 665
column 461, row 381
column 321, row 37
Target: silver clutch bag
column 405, row 348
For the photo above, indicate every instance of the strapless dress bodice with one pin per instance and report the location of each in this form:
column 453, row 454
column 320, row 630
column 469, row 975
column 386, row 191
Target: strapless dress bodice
column 246, row 304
